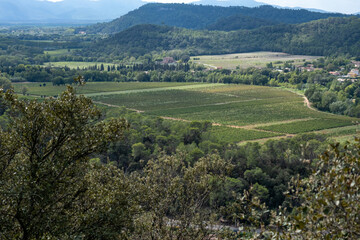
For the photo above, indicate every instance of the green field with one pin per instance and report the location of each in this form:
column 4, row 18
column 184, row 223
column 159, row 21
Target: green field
column 246, row 60
column 227, row 134
column 308, row 125
column 96, row 88
column 59, row 52
column 239, row 112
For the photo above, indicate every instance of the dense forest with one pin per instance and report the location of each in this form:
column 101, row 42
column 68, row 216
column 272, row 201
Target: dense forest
column 333, row 36
column 203, row 17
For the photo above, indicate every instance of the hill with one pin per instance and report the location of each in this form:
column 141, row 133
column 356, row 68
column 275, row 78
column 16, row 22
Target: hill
column 237, row 22
column 228, row 3
column 333, row 36
column 200, row 16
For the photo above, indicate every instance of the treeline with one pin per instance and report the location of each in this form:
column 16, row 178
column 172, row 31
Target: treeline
column 339, row 98
column 334, row 36
column 164, row 73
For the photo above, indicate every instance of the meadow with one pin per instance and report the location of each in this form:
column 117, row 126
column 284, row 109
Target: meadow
column 238, row 112
column 59, row 52
column 246, row 60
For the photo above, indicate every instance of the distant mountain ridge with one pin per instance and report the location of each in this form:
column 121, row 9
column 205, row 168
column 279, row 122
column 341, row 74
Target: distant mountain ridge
column 327, row 37
column 67, row 11
column 202, row 16
column 228, row 3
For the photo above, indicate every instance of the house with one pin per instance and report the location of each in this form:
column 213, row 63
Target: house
column 307, row 69
column 336, row 73
column 354, row 73
column 168, row 61
column 356, row 63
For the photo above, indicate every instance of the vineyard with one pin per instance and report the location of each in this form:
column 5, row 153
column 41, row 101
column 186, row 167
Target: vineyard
column 238, row 112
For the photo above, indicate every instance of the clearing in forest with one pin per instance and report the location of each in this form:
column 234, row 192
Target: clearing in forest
column 246, row 60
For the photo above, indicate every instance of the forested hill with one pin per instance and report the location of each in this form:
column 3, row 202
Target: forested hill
column 237, row 22
column 333, row 36
column 200, row 16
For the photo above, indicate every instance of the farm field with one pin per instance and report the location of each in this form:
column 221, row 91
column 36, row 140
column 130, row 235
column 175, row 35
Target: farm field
column 101, row 88
column 246, row 60
column 59, row 52
column 308, row 125
column 238, row 112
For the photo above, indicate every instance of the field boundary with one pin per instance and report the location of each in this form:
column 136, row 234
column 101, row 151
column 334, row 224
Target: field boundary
column 184, row 87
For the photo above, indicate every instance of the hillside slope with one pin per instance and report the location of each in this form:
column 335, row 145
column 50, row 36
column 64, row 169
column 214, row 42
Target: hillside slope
column 200, row 16
column 333, row 36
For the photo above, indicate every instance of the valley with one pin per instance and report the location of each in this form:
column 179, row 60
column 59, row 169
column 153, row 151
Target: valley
column 238, row 113
column 178, row 121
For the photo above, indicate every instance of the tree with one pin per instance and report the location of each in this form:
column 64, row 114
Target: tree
column 48, row 187
column 5, row 83
column 24, row 90
column 327, row 204
column 174, row 197
column 57, row 81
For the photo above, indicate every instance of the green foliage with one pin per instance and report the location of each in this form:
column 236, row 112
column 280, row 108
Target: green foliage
column 174, row 197
column 5, row 84
column 48, row 188
column 237, row 22
column 328, row 201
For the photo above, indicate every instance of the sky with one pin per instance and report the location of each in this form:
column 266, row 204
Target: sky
column 344, row 6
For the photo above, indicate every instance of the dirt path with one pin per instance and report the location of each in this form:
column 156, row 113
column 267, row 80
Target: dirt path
column 248, row 127
column 263, row 140
column 175, row 119
column 308, row 104
column 116, row 106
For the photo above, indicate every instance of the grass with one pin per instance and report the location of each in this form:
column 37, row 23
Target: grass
column 232, row 135
column 94, row 88
column 344, row 139
column 353, row 130
column 59, row 52
column 309, row 125
column 142, row 90
column 246, row 60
